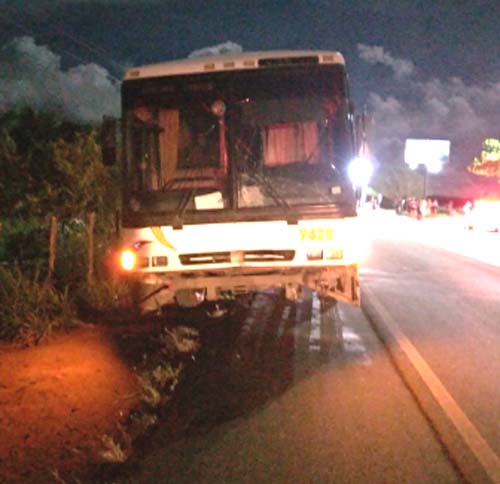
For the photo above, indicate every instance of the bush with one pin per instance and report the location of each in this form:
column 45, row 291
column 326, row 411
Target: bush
column 71, row 263
column 31, row 309
column 24, row 240
column 51, row 167
column 24, row 253
column 106, row 299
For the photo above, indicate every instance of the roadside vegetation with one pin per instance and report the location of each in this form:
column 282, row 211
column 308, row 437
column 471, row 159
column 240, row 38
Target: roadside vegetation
column 52, row 170
column 488, row 164
column 164, row 358
column 58, row 220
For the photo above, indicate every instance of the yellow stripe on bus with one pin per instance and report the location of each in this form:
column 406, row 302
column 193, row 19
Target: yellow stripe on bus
column 158, row 233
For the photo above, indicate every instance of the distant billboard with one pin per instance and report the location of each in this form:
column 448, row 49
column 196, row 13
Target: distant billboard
column 431, row 153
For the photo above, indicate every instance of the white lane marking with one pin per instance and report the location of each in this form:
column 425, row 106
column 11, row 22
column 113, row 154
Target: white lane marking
column 475, row 441
column 315, row 332
column 353, row 342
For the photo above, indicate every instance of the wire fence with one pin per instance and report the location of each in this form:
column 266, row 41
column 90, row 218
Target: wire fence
column 51, row 242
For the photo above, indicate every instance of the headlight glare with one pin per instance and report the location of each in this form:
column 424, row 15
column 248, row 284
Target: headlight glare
column 128, row 259
column 360, row 171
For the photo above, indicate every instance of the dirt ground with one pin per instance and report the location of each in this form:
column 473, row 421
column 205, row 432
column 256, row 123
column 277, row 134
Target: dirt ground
column 57, row 401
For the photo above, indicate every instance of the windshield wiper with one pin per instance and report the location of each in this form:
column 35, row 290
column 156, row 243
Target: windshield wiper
column 260, row 179
column 182, row 207
column 268, row 187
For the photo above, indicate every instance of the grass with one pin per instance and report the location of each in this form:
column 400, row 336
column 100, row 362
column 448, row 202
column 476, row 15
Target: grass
column 112, row 450
column 180, row 339
column 107, row 299
column 31, row 308
column 158, row 382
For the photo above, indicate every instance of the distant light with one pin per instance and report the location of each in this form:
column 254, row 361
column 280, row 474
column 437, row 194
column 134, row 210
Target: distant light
column 218, row 108
column 486, row 215
column 360, row 171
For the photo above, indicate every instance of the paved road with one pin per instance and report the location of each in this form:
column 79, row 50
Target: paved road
column 348, row 419
column 440, row 285
column 351, row 418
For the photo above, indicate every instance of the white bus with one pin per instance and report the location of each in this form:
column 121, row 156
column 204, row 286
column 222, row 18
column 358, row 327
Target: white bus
column 235, row 178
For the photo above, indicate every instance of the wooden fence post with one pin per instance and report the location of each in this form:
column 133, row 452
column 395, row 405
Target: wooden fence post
column 52, row 246
column 117, row 224
column 90, row 253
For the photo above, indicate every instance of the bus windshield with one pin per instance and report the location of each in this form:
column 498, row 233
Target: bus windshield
column 240, row 140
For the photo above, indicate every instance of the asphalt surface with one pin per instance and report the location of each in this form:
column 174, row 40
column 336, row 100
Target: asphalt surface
column 365, row 412
column 440, row 286
column 297, row 417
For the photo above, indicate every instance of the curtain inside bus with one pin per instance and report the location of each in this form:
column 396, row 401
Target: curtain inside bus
column 290, row 143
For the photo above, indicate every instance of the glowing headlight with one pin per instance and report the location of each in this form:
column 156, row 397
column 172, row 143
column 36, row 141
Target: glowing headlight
column 128, row 259
column 360, row 171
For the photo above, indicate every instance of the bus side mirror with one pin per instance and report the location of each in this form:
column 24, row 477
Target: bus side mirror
column 108, row 140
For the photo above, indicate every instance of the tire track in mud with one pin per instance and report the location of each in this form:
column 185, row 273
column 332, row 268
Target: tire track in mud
column 247, row 357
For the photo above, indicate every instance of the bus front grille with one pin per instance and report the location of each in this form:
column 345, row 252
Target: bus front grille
column 248, row 256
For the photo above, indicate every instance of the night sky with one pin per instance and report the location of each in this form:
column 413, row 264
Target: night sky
column 426, row 68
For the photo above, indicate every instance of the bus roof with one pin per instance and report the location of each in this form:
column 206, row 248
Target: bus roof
column 239, row 61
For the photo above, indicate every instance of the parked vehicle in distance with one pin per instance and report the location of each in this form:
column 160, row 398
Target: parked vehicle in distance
column 484, row 215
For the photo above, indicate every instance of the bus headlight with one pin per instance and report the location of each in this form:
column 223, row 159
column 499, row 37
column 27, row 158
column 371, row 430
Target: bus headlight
column 128, row 259
column 360, row 171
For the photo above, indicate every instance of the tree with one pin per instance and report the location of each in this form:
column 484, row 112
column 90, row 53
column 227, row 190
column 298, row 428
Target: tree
column 489, row 162
column 26, row 158
column 80, row 182
column 396, row 180
column 51, row 166
column 10, row 170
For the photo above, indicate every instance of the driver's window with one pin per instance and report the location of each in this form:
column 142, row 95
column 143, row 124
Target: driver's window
column 198, row 140
column 144, row 147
